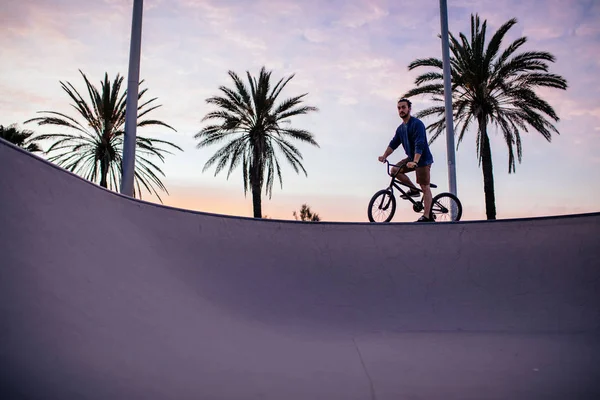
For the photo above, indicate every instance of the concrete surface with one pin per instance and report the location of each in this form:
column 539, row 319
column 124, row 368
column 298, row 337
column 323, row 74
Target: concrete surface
column 106, row 297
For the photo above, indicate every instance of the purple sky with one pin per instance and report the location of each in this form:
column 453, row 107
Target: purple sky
column 350, row 56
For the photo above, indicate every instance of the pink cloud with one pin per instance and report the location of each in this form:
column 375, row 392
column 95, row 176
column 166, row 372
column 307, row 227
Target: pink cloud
column 358, row 15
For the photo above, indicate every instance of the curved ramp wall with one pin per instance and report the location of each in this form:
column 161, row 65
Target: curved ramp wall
column 103, row 296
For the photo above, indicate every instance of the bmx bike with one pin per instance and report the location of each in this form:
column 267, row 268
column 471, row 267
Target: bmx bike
column 382, row 206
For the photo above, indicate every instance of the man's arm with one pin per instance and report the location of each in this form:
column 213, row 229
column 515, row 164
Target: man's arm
column 414, row 162
column 394, row 143
column 386, row 154
column 420, row 140
column 420, row 143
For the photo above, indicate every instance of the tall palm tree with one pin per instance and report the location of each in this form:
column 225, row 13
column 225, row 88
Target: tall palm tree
column 95, row 149
column 21, row 137
column 491, row 87
column 255, row 128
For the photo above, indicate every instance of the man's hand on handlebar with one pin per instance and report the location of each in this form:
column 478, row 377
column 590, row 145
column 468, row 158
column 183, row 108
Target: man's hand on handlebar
column 381, row 158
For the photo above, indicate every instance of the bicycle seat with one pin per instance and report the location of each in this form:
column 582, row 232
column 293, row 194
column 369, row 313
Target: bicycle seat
column 432, row 185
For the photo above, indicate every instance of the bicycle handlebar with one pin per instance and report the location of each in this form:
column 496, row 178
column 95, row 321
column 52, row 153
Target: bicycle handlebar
column 390, row 164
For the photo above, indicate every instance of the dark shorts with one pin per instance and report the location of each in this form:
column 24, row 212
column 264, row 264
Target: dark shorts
column 423, row 173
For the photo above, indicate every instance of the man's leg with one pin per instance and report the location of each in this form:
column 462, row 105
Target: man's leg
column 427, row 201
column 423, row 175
column 401, row 176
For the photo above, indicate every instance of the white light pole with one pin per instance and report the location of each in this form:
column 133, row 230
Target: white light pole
column 448, row 101
column 132, row 99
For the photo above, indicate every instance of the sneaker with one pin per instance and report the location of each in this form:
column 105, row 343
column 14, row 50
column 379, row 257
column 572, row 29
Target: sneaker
column 412, row 193
column 425, row 219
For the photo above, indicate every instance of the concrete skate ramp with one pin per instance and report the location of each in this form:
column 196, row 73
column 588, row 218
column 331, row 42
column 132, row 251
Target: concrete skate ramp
column 106, row 297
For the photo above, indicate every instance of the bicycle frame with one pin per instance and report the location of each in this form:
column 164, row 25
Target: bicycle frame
column 394, row 183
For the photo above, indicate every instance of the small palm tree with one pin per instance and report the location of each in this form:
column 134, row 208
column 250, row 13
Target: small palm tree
column 95, row 149
column 22, row 138
column 306, row 214
column 491, row 87
column 255, row 128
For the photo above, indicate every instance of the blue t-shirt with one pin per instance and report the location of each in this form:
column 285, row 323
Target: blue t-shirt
column 413, row 138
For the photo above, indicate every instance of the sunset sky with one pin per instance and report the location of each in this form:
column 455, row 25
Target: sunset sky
column 351, row 58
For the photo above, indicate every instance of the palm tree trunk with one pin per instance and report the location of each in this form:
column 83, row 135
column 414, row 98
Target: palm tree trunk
column 256, row 184
column 103, row 172
column 256, row 200
column 488, row 171
column 256, row 175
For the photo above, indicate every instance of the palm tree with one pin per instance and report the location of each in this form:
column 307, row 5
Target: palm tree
column 255, row 127
column 21, row 138
column 491, row 87
column 95, row 149
column 306, row 214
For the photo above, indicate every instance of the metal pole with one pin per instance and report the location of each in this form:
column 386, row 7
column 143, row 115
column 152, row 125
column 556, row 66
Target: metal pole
column 448, row 101
column 132, row 99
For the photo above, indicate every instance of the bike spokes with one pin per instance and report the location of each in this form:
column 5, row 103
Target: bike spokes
column 446, row 207
column 382, row 206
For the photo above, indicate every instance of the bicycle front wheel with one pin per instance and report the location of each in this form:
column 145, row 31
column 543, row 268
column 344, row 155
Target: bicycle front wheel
column 382, row 206
column 442, row 206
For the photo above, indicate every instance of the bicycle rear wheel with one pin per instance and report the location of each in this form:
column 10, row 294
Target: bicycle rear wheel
column 441, row 206
column 382, row 206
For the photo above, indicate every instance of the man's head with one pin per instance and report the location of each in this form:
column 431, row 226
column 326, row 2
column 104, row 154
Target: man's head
column 404, row 106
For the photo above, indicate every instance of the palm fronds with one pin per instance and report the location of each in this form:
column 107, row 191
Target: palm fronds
column 251, row 122
column 491, row 86
column 23, row 138
column 93, row 148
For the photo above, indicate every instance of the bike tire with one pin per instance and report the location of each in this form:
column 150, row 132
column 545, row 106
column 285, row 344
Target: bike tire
column 385, row 201
column 440, row 207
